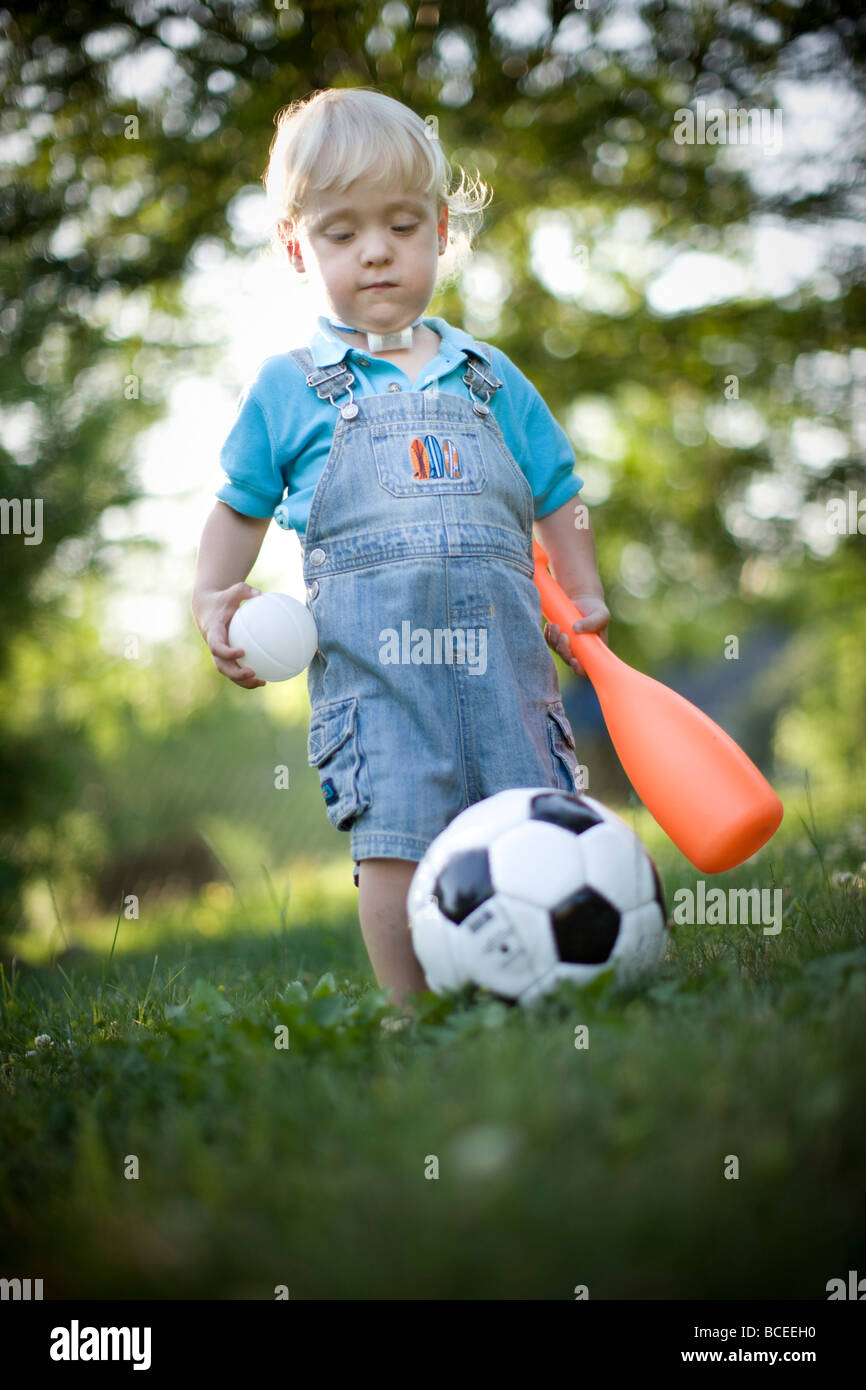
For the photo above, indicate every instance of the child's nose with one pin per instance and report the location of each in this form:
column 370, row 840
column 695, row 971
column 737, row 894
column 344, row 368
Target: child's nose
column 375, row 249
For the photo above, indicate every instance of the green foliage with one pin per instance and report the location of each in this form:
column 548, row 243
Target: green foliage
column 821, row 725
column 115, row 186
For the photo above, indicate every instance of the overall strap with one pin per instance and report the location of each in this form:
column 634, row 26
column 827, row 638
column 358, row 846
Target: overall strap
column 327, row 382
column 480, row 377
column 332, row 381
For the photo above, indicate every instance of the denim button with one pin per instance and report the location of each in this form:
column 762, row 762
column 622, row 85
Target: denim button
column 394, row 386
column 317, row 556
column 313, row 588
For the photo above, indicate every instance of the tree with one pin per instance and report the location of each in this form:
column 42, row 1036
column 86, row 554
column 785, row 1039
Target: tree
column 712, row 438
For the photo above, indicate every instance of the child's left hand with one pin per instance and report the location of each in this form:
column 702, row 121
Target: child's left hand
column 596, row 617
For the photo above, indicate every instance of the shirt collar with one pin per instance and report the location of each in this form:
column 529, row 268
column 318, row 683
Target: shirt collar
column 327, row 347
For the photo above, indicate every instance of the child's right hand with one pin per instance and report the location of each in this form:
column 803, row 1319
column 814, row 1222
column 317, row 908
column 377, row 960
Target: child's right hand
column 215, row 615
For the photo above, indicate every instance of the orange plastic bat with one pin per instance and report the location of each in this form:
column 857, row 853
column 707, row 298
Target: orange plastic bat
column 693, row 779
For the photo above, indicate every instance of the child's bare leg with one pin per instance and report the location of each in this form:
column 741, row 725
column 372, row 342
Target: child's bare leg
column 383, row 885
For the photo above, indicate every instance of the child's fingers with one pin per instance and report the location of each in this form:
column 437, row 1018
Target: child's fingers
column 223, row 650
column 218, row 640
column 215, row 630
column 236, row 594
column 595, row 620
column 561, row 645
column 595, row 624
column 240, row 675
column 218, row 631
column 234, row 670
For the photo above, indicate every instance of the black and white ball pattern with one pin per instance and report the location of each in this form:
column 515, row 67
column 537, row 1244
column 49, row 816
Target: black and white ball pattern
column 533, row 887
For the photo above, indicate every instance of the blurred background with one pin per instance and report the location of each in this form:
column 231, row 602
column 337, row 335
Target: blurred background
column 691, row 309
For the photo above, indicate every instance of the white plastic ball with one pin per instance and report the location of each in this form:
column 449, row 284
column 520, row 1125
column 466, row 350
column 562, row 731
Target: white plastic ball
column 278, row 635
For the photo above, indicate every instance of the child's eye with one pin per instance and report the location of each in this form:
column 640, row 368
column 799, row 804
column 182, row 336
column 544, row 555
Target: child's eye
column 408, row 227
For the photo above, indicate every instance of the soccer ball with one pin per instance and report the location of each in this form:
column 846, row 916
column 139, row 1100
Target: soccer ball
column 533, row 887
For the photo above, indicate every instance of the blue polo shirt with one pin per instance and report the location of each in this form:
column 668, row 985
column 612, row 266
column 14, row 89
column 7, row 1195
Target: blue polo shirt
column 282, row 434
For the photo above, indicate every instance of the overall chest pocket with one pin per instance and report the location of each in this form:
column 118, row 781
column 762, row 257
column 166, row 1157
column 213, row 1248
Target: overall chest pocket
column 412, row 462
column 334, row 748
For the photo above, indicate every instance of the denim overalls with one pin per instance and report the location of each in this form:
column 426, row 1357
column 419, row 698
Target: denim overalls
column 432, row 686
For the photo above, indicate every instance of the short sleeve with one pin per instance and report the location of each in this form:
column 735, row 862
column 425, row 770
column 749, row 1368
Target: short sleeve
column 253, row 483
column 537, row 440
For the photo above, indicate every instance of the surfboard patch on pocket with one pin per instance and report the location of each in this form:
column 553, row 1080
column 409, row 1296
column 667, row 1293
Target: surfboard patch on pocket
column 432, row 458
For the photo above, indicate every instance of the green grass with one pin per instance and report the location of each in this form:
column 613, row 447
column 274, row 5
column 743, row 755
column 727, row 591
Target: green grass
column 557, row 1167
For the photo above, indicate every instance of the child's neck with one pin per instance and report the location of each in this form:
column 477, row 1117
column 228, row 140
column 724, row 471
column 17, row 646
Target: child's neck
column 425, row 346
column 401, row 341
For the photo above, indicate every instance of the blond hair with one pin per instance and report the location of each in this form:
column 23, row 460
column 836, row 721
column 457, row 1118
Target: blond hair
column 337, row 135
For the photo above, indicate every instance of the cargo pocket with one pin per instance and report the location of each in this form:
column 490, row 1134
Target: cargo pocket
column 334, row 747
column 566, row 768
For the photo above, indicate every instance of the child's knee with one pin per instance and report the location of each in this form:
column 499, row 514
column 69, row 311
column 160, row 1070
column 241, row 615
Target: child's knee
column 395, row 874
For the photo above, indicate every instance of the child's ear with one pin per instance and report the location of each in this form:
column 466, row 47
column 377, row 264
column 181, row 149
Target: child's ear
column 289, row 240
column 442, row 229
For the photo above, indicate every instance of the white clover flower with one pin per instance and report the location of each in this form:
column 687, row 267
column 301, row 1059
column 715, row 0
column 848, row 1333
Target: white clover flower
column 842, row 878
column 43, row 1040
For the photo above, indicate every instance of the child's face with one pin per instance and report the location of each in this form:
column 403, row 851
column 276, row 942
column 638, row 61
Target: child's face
column 373, row 249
